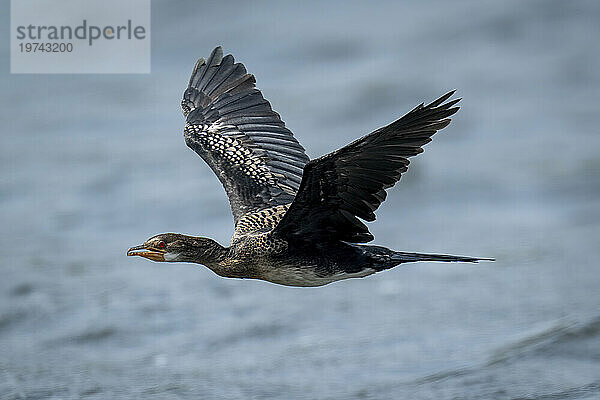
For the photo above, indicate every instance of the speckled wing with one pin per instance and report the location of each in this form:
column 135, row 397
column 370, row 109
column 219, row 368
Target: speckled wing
column 233, row 128
column 341, row 187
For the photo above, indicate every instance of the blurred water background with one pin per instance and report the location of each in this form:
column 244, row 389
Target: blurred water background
column 93, row 164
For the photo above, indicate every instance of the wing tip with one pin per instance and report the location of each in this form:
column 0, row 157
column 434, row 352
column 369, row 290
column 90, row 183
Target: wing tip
column 440, row 101
column 216, row 54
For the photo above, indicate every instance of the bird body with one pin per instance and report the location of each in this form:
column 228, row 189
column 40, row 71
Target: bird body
column 297, row 221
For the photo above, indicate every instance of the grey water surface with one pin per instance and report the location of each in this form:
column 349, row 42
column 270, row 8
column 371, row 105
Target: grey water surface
column 94, row 164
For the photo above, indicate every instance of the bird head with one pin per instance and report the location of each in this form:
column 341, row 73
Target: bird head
column 173, row 247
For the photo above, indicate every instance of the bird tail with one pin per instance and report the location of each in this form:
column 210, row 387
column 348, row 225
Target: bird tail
column 383, row 258
column 400, row 257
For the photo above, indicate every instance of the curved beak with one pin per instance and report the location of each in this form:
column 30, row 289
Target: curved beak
column 151, row 254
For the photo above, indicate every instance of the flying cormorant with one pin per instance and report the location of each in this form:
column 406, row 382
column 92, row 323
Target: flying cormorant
column 296, row 220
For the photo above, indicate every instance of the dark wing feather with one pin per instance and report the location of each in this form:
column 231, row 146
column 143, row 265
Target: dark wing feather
column 347, row 184
column 233, row 128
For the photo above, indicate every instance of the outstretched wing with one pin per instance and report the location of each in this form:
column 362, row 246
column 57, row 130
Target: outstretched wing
column 345, row 185
column 233, row 128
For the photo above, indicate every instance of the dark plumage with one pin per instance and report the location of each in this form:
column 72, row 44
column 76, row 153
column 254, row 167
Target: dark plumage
column 297, row 222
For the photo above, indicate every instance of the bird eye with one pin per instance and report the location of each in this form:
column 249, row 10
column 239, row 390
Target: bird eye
column 161, row 244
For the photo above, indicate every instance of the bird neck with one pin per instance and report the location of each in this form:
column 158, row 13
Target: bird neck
column 205, row 251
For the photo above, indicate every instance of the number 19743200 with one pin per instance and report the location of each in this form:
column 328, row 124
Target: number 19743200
column 47, row 47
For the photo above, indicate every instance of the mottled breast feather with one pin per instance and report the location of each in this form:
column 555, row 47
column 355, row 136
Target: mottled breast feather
column 262, row 221
column 233, row 128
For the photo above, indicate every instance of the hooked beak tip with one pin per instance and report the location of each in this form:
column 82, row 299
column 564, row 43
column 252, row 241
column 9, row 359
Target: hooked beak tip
column 133, row 251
